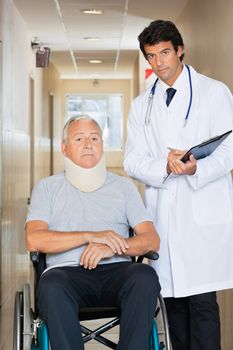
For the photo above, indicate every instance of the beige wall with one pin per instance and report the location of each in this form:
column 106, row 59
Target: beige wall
column 15, row 144
column 18, row 67
column 135, row 80
column 207, row 26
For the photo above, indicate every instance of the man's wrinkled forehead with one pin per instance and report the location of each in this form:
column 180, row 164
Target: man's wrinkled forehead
column 84, row 127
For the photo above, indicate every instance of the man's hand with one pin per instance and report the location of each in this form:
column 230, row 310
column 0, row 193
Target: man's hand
column 93, row 253
column 177, row 167
column 110, row 238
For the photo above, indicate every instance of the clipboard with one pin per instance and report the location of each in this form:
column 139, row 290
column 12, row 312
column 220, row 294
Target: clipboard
column 204, row 149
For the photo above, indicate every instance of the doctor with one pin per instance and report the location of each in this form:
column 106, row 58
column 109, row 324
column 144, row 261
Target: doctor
column 193, row 207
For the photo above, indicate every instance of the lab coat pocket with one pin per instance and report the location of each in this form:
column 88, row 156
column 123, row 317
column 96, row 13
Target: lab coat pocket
column 212, row 203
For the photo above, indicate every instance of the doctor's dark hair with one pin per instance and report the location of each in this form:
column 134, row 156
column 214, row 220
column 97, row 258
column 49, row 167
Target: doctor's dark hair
column 158, row 31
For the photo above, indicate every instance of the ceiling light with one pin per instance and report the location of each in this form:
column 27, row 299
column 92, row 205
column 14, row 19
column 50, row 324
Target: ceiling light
column 93, row 12
column 95, row 61
column 92, row 38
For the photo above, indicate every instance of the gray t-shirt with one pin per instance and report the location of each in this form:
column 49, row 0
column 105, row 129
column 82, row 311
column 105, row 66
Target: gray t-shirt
column 115, row 206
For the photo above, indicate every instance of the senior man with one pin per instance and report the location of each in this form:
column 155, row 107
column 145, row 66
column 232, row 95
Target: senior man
column 80, row 218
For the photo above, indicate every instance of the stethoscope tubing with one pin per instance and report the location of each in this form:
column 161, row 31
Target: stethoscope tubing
column 151, row 96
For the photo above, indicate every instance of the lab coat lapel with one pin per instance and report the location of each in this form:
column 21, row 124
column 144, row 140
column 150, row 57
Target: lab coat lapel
column 189, row 134
column 154, row 131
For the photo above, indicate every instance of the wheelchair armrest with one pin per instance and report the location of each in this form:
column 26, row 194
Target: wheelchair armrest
column 39, row 260
column 150, row 255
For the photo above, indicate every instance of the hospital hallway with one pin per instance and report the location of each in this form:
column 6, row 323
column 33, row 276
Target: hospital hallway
column 57, row 60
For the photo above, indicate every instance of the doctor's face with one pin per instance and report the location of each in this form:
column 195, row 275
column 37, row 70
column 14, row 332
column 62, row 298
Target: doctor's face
column 84, row 145
column 165, row 61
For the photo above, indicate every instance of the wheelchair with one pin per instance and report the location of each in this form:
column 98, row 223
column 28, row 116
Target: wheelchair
column 30, row 332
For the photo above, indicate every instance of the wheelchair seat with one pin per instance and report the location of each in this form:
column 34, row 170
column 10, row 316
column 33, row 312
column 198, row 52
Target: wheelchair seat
column 30, row 332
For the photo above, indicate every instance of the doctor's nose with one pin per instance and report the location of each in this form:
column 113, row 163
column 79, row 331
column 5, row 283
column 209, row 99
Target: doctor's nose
column 159, row 61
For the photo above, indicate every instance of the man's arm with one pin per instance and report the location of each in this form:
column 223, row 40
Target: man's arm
column 40, row 238
column 145, row 240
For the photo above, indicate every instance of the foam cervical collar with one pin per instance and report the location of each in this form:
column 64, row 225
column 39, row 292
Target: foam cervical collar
column 86, row 179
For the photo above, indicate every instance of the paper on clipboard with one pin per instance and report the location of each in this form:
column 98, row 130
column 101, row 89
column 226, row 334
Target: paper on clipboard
column 204, row 149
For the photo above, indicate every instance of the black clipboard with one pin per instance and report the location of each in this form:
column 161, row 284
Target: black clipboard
column 204, row 149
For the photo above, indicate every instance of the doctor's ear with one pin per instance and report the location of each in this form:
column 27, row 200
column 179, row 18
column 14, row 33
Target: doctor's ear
column 180, row 51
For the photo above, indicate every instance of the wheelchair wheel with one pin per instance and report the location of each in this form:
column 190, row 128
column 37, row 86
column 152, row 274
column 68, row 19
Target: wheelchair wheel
column 18, row 322
column 165, row 331
column 22, row 335
column 27, row 318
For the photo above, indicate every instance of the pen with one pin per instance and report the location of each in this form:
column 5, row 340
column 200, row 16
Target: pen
column 166, row 178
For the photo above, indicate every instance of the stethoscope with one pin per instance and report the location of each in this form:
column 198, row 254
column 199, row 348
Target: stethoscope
column 151, row 96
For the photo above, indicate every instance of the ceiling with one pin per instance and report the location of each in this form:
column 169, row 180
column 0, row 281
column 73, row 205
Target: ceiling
column 62, row 26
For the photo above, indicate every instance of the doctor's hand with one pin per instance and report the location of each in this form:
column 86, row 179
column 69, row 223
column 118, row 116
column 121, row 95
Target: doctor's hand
column 174, row 154
column 177, row 167
column 93, row 253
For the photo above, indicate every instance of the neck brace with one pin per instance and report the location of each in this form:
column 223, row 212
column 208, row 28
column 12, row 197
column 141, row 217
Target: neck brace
column 86, row 179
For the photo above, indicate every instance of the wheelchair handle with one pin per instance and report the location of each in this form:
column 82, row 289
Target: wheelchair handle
column 34, row 256
column 152, row 255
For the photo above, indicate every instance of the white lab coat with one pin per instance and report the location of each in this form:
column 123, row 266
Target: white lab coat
column 192, row 214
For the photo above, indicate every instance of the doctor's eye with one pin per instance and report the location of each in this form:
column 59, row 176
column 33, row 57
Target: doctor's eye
column 150, row 56
column 165, row 53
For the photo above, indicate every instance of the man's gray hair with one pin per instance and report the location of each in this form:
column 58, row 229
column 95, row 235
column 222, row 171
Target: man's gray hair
column 74, row 119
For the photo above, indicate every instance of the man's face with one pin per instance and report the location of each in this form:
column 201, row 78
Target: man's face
column 84, row 144
column 164, row 61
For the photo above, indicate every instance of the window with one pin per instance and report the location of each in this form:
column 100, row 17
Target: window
column 106, row 109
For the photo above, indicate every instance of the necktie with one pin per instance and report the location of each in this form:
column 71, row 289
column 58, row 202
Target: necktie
column 170, row 93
